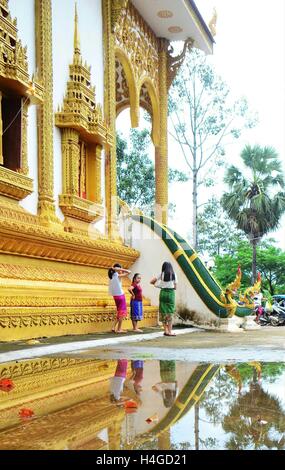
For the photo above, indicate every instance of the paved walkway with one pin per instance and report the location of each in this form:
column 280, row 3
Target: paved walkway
column 68, row 344
column 191, row 344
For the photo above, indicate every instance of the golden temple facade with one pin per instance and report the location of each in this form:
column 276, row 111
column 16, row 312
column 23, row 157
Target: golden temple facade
column 60, row 94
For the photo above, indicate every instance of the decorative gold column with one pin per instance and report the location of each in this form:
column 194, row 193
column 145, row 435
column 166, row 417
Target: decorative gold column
column 161, row 152
column 110, row 116
column 70, row 155
column 98, row 167
column 46, row 204
column 1, row 131
column 24, row 153
column 114, row 433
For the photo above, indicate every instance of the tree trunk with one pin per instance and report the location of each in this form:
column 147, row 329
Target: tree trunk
column 194, row 211
column 254, row 275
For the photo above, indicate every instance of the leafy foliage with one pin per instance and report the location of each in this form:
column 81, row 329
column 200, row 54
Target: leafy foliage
column 217, row 233
column 270, row 263
column 257, row 202
column 204, row 120
column 136, row 173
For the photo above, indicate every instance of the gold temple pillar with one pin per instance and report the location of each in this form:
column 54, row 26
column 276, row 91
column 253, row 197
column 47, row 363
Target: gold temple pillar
column 1, row 131
column 161, row 152
column 46, row 204
column 110, row 116
column 24, row 152
column 114, row 435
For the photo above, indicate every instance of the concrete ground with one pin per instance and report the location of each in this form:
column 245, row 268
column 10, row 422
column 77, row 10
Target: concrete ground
column 265, row 344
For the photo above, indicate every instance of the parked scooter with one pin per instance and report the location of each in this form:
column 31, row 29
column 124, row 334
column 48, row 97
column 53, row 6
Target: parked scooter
column 278, row 315
column 263, row 316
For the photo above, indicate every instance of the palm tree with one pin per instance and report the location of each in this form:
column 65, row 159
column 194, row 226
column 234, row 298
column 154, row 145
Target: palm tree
column 256, row 203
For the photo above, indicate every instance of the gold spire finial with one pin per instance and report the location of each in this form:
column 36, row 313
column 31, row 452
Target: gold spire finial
column 76, row 33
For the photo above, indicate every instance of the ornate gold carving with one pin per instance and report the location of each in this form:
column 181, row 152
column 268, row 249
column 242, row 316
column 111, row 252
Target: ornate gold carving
column 79, row 110
column 46, row 206
column 1, row 131
column 136, row 39
column 16, row 237
column 80, row 208
column 161, row 152
column 24, row 152
column 118, row 6
column 14, row 185
column 175, row 62
column 29, row 322
column 15, row 80
column 122, row 88
column 247, row 296
column 110, row 115
column 64, row 428
column 80, row 117
column 14, row 74
column 98, row 171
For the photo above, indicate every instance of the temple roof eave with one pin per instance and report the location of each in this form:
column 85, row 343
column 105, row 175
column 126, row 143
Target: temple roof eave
column 176, row 20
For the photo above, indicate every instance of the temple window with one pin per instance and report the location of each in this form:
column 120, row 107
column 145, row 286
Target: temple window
column 17, row 91
column 11, row 145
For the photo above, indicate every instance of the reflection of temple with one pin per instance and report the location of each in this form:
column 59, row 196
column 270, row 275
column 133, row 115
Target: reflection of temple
column 70, row 400
column 71, row 403
column 58, row 195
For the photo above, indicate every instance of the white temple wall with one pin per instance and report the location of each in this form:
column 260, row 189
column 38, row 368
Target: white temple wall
column 24, row 11
column 91, row 40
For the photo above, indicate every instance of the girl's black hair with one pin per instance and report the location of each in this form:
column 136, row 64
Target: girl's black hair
column 134, row 278
column 112, row 271
column 167, row 273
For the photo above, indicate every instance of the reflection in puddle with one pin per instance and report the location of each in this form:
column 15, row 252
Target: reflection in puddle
column 67, row 403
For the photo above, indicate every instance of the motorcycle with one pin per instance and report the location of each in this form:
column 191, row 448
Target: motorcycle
column 278, row 314
column 263, row 316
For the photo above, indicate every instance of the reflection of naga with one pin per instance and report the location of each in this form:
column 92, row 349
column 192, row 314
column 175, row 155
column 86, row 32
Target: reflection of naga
column 247, row 297
column 235, row 374
column 257, row 367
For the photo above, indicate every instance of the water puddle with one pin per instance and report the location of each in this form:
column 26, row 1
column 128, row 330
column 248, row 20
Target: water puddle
column 141, row 404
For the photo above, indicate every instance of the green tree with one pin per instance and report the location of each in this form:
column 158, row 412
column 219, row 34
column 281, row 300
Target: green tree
column 270, row 263
column 136, row 172
column 203, row 121
column 255, row 202
column 217, row 234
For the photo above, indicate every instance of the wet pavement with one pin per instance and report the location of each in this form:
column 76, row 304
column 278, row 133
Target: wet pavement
column 267, row 344
column 198, row 390
column 125, row 404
